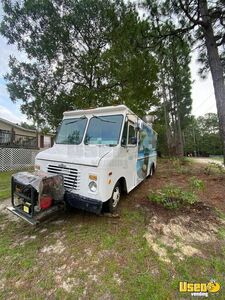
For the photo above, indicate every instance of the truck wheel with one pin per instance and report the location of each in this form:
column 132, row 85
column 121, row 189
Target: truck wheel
column 114, row 200
column 151, row 172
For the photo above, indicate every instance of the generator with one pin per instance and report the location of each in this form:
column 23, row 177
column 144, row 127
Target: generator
column 36, row 195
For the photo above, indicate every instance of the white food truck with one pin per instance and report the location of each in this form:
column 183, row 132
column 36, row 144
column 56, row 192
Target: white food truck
column 101, row 153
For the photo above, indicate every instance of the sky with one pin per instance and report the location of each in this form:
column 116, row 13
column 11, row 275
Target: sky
column 202, row 90
column 8, row 110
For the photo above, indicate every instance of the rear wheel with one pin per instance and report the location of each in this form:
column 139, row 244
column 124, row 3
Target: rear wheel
column 114, row 200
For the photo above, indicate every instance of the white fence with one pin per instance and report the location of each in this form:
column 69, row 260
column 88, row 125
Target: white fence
column 16, row 158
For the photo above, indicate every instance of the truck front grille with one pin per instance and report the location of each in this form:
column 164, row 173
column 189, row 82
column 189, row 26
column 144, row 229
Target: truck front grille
column 71, row 176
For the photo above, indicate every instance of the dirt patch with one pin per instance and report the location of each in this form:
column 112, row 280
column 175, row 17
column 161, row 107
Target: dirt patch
column 4, row 204
column 117, row 279
column 24, row 240
column 57, row 248
column 90, row 264
column 3, row 210
column 162, row 253
column 212, row 195
column 2, row 283
column 184, row 234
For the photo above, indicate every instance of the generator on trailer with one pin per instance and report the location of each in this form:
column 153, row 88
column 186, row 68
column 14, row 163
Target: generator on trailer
column 36, row 195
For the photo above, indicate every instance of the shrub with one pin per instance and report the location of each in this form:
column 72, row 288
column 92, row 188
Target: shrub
column 181, row 165
column 172, row 197
column 213, row 168
column 196, row 184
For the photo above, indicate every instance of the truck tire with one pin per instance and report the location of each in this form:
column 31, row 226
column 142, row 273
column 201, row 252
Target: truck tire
column 151, row 172
column 114, row 200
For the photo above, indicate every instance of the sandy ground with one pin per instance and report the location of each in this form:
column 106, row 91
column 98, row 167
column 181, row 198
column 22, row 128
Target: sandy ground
column 4, row 204
column 206, row 160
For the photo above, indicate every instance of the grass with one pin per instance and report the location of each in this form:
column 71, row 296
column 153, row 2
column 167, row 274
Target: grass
column 100, row 257
column 118, row 264
column 5, row 183
column 125, row 268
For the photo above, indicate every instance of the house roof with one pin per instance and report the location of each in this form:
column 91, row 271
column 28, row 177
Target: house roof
column 16, row 126
column 22, row 128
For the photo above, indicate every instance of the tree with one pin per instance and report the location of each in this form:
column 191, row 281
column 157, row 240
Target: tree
column 202, row 136
column 81, row 53
column 28, row 126
column 174, row 91
column 205, row 21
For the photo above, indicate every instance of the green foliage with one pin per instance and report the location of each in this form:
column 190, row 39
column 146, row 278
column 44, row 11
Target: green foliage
column 221, row 233
column 176, row 163
column 202, row 136
column 175, row 92
column 82, row 54
column 196, row 184
column 181, row 165
column 5, row 182
column 28, row 126
column 201, row 23
column 213, row 168
column 172, row 197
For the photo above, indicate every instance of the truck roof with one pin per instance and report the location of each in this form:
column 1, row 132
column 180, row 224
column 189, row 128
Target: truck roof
column 99, row 110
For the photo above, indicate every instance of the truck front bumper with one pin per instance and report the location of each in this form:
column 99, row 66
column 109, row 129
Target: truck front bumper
column 84, row 203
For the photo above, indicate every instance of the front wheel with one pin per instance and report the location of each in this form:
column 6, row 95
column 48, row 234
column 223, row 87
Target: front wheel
column 114, row 200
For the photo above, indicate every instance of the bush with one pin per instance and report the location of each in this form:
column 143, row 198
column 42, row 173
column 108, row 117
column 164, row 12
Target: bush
column 172, row 197
column 196, row 184
column 181, row 165
column 214, row 169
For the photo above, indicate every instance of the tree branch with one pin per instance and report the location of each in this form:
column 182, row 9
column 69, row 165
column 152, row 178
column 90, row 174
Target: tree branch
column 189, row 16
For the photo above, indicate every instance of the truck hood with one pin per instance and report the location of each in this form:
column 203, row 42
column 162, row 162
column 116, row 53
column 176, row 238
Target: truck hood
column 77, row 154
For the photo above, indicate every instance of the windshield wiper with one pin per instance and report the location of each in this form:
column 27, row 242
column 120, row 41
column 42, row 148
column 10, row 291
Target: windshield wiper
column 103, row 119
column 75, row 121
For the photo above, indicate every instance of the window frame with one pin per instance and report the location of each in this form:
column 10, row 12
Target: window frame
column 100, row 116
column 128, row 123
column 84, row 131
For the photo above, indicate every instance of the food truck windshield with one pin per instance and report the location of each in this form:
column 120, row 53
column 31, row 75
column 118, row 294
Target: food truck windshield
column 104, row 130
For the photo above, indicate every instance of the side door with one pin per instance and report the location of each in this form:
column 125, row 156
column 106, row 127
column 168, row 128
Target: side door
column 132, row 151
column 128, row 154
column 144, row 153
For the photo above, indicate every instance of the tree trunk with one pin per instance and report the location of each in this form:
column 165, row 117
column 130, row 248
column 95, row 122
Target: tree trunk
column 179, row 143
column 216, row 68
column 166, row 117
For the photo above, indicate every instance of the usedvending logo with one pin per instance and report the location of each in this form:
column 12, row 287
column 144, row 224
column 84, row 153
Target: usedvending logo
column 198, row 289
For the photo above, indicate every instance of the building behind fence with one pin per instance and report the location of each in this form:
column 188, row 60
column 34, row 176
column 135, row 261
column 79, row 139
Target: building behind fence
column 19, row 146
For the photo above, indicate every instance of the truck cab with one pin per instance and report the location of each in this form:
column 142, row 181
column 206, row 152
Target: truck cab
column 101, row 153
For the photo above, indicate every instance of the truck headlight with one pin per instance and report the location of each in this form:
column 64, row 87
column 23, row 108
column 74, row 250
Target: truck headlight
column 92, row 186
